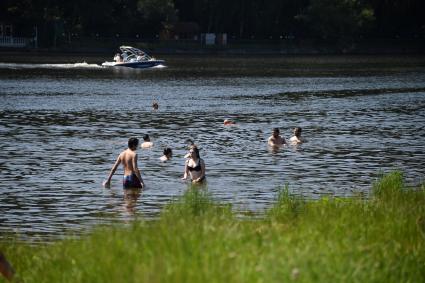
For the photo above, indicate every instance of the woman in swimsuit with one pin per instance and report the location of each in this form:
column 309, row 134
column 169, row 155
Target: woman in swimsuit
column 194, row 166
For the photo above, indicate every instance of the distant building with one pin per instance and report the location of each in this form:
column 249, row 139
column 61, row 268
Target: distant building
column 214, row 38
column 6, row 29
column 7, row 38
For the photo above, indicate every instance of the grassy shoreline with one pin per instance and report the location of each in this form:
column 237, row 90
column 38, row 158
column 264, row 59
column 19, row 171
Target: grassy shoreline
column 381, row 239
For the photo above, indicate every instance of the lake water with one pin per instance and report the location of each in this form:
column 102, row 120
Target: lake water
column 63, row 125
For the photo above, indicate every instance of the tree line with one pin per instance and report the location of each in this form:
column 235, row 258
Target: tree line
column 328, row 20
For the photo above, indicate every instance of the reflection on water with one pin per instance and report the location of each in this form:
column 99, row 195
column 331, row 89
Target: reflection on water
column 61, row 133
column 130, row 198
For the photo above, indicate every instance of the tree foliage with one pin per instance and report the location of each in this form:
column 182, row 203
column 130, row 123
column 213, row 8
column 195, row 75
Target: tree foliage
column 338, row 19
column 246, row 19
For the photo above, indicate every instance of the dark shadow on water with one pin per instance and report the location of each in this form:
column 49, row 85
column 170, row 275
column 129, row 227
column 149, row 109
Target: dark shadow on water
column 343, row 93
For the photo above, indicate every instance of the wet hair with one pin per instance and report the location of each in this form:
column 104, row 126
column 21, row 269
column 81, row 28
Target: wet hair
column 146, row 137
column 155, row 105
column 276, row 130
column 167, row 151
column 190, row 143
column 196, row 151
column 297, row 130
column 133, row 142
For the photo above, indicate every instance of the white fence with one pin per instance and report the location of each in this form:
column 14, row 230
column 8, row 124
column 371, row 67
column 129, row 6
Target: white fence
column 10, row 41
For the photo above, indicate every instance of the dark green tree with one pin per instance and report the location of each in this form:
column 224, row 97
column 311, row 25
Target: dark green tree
column 332, row 20
column 338, row 19
column 155, row 14
column 399, row 18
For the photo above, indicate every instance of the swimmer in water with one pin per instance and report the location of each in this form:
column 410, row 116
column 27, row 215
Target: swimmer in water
column 195, row 167
column 155, row 105
column 168, row 153
column 276, row 139
column 146, row 142
column 229, row 122
column 128, row 158
column 296, row 139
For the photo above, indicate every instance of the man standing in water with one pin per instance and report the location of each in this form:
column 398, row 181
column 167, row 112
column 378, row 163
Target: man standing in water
column 128, row 158
column 275, row 139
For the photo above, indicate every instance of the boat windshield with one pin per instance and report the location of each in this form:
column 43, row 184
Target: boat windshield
column 131, row 54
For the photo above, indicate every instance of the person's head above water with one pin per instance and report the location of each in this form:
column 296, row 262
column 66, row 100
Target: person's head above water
column 168, row 152
column 276, row 132
column 133, row 143
column 228, row 122
column 194, row 152
column 146, row 138
column 155, row 105
column 297, row 131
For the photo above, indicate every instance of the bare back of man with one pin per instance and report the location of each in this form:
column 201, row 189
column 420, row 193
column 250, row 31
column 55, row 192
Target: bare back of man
column 132, row 177
column 128, row 158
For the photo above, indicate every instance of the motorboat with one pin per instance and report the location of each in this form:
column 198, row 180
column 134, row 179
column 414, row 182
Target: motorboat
column 133, row 58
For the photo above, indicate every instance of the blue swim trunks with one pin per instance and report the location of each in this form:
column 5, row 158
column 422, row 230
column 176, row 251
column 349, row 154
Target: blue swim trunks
column 131, row 181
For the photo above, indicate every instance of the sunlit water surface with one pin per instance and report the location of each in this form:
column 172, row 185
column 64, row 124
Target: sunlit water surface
column 63, row 125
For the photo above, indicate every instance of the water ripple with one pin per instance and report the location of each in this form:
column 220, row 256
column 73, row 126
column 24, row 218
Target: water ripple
column 60, row 137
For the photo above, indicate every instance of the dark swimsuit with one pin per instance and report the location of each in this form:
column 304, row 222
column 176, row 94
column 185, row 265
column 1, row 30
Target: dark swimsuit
column 131, row 181
column 196, row 168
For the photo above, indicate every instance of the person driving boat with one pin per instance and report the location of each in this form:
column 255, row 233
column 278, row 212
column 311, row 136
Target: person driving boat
column 118, row 58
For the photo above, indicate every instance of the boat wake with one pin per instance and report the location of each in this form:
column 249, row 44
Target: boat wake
column 159, row 66
column 17, row 66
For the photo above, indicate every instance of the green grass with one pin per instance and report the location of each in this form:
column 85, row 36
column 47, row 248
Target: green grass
column 379, row 239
